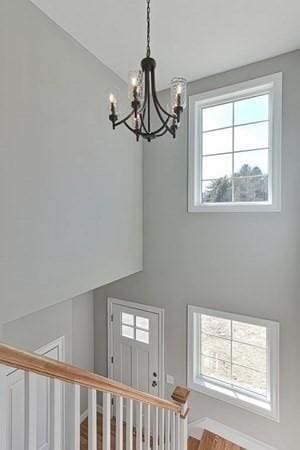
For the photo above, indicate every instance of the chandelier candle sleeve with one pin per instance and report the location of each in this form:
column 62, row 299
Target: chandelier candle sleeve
column 144, row 100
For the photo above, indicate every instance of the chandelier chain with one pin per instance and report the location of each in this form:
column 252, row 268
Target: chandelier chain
column 148, row 28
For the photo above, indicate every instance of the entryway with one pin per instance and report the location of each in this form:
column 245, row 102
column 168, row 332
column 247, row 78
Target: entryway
column 136, row 345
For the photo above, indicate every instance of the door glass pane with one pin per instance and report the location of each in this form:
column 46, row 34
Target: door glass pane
column 215, row 326
column 249, row 356
column 216, row 166
column 253, row 109
column 251, row 163
column 214, row 368
column 142, row 336
column 250, row 334
column 248, row 137
column 217, row 142
column 215, row 347
column 219, row 190
column 142, row 322
column 217, row 117
column 127, row 332
column 128, row 319
column 249, row 379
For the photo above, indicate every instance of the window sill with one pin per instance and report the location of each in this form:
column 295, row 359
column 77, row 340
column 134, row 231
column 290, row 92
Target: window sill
column 233, row 207
column 240, row 399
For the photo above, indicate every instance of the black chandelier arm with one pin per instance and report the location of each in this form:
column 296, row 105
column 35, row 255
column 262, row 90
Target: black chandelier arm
column 125, row 118
column 162, row 133
column 143, row 126
column 163, row 121
column 151, row 134
column 155, row 98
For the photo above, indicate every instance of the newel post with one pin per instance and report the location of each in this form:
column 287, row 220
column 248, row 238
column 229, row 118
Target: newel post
column 180, row 396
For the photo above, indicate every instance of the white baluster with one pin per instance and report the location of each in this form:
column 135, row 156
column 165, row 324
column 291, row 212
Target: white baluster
column 106, row 420
column 55, row 415
column 30, row 399
column 92, row 419
column 155, row 429
column 75, row 417
column 119, row 423
column 168, row 431
column 162, row 429
column 3, row 408
column 129, row 423
column 148, row 428
column 173, row 433
column 139, row 426
column 184, row 433
column 178, row 434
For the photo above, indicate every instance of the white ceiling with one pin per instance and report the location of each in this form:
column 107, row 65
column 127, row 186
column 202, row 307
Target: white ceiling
column 193, row 38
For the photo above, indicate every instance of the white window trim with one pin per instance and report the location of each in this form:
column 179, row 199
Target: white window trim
column 221, row 391
column 271, row 84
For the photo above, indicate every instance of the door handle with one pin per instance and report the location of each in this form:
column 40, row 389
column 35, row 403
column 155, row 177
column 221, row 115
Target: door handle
column 154, row 383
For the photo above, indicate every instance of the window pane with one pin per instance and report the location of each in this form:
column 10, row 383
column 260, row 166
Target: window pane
column 249, row 379
column 215, row 326
column 215, row 347
column 127, row 332
column 247, row 137
column 216, row 166
column 142, row 336
column 217, row 142
column 248, row 333
column 128, row 319
column 219, row 190
column 253, row 189
column 251, row 163
column 217, row 117
column 252, row 109
column 214, row 368
column 142, row 322
column 249, row 356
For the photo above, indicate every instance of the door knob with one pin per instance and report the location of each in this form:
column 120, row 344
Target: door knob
column 155, row 374
column 154, row 383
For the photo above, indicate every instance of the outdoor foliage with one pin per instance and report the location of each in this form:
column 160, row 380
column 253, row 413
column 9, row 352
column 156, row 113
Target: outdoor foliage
column 249, row 185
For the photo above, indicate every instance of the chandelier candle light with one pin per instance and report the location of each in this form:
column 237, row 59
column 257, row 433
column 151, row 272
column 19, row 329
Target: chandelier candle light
column 142, row 94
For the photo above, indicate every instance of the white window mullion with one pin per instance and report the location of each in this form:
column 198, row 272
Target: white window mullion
column 252, row 335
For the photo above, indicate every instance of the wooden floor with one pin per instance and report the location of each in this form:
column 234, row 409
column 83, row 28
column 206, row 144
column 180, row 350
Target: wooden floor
column 209, row 440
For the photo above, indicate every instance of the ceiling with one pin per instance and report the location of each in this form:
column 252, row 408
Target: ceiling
column 192, row 38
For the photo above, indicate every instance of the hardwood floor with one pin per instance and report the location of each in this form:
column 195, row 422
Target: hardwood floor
column 209, row 440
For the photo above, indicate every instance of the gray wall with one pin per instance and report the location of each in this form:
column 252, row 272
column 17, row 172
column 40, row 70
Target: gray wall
column 247, row 263
column 73, row 319
column 70, row 187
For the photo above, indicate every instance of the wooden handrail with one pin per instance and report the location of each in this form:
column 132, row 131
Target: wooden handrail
column 41, row 365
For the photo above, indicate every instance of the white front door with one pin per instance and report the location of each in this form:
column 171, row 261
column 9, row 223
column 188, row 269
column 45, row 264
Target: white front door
column 15, row 403
column 136, row 346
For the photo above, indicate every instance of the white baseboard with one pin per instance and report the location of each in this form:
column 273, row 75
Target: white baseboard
column 84, row 415
column 196, row 429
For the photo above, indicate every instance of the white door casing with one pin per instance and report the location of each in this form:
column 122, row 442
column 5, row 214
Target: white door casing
column 14, row 393
column 136, row 345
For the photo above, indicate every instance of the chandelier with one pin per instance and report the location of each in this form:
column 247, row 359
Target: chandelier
column 143, row 97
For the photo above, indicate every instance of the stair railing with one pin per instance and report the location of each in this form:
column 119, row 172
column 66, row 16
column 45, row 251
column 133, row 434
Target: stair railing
column 152, row 422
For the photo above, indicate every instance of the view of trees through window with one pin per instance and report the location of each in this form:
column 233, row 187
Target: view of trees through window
column 235, row 151
column 234, row 352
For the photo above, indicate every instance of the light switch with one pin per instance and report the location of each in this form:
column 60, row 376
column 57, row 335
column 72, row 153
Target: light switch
column 170, row 379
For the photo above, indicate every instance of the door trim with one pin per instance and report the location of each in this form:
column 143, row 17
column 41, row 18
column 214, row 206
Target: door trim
column 6, row 371
column 161, row 336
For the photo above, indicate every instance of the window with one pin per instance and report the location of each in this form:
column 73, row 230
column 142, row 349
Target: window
column 234, row 358
column 135, row 327
column 235, row 147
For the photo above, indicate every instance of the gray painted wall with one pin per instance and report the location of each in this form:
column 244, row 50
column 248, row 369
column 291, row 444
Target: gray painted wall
column 246, row 263
column 70, row 188
column 73, row 319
